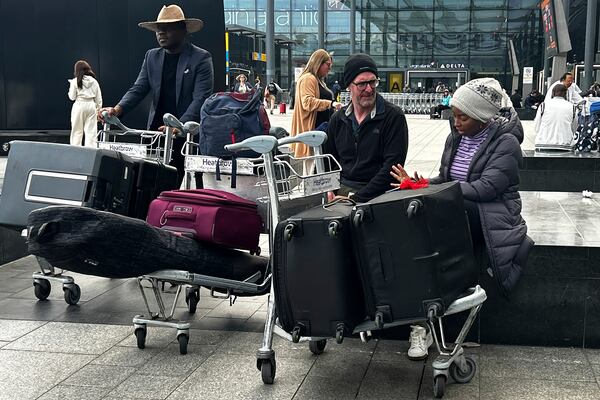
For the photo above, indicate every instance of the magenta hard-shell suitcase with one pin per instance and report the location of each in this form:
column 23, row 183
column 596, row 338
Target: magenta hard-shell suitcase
column 208, row 215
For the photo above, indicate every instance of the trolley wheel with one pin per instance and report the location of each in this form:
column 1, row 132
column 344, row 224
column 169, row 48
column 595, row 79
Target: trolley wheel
column 379, row 320
column 463, row 376
column 339, row 336
column 255, row 252
column 192, row 299
column 317, row 346
column 41, row 288
column 72, row 293
column 439, row 386
column 268, row 368
column 296, row 334
column 140, row 336
column 183, row 340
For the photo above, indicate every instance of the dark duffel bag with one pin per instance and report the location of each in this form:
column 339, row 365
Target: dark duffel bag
column 113, row 246
column 42, row 174
column 317, row 287
column 414, row 252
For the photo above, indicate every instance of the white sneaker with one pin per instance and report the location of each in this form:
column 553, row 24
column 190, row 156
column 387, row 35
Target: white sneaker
column 420, row 340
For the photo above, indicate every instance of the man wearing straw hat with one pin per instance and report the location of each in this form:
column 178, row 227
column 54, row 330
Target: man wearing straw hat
column 178, row 75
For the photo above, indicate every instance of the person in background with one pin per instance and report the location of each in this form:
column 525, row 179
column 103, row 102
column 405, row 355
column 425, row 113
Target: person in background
column 313, row 101
column 483, row 153
column 178, row 75
column 553, row 122
column 337, row 89
column 85, row 91
column 292, row 94
column 573, row 91
column 242, row 85
column 516, row 99
column 367, row 136
column 257, row 83
column 440, row 88
column 534, row 99
column 271, row 92
column 436, row 112
column 406, row 89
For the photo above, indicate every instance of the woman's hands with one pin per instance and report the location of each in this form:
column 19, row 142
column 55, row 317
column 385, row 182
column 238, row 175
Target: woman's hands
column 400, row 174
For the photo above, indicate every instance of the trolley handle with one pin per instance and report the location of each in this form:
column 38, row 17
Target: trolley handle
column 113, row 120
column 171, row 121
column 261, row 144
column 310, row 138
column 191, row 127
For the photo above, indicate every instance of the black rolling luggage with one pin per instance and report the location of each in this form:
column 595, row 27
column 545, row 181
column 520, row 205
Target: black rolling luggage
column 317, row 287
column 104, row 244
column 42, row 174
column 414, row 252
column 150, row 178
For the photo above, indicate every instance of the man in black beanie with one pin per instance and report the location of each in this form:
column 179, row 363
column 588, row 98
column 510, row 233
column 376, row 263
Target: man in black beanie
column 368, row 136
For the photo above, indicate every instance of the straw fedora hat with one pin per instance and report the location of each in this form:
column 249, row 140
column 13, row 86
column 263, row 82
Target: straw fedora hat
column 170, row 14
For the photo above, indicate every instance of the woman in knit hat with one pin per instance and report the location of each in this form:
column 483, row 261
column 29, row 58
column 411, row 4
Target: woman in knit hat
column 483, row 153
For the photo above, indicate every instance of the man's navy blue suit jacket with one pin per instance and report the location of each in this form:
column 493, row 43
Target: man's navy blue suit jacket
column 194, row 82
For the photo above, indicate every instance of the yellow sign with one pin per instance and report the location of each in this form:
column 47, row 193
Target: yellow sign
column 395, row 81
column 256, row 56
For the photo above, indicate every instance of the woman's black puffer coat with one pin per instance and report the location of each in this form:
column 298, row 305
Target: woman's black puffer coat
column 492, row 182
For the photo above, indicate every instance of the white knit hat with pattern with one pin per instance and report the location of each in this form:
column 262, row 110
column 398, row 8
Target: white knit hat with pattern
column 480, row 99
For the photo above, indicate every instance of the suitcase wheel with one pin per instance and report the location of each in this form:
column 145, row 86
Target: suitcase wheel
column 358, row 217
column 140, row 337
column 333, row 228
column 379, row 320
column 296, row 334
column 467, row 372
column 413, row 208
column 183, row 340
column 340, row 333
column 289, row 232
column 317, row 346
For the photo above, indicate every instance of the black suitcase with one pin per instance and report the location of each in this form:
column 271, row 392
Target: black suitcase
column 150, row 178
column 42, row 174
column 317, row 287
column 414, row 252
column 104, row 244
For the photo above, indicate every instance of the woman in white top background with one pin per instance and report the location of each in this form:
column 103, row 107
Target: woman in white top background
column 84, row 90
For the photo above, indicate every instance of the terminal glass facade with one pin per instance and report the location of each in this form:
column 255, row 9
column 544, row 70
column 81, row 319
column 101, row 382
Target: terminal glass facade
column 406, row 34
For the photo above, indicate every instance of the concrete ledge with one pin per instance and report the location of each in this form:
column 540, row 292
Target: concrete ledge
column 559, row 171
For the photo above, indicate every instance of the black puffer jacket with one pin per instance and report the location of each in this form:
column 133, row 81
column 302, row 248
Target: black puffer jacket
column 492, row 181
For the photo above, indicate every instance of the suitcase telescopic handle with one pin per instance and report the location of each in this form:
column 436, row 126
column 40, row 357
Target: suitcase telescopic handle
column 260, row 144
column 310, row 138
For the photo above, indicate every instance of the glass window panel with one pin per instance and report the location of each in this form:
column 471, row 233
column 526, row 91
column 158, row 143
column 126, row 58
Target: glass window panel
column 523, row 20
column 523, row 3
column 261, row 4
column 377, row 4
column 489, row 21
column 415, row 4
column 379, row 21
column 384, row 62
column 490, row 3
column 379, row 44
column 243, row 18
column 415, row 21
column 417, row 44
column 337, row 43
column 488, row 43
column 304, row 22
column 306, row 43
column 450, row 44
column 282, row 5
column 452, row 4
column 338, row 21
column 452, row 21
column 282, row 22
column 304, row 5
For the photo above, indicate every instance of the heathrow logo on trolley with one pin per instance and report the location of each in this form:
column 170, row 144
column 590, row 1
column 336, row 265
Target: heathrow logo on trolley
column 132, row 150
column 209, row 164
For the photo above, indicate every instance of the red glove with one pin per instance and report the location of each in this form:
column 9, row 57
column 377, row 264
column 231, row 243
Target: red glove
column 412, row 184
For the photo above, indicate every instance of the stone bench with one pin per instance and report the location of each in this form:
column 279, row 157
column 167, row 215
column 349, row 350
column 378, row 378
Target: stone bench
column 560, row 171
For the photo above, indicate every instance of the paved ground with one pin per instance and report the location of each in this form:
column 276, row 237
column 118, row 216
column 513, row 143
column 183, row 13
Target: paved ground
column 49, row 350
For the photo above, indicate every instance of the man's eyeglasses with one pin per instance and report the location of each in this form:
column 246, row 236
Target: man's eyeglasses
column 363, row 85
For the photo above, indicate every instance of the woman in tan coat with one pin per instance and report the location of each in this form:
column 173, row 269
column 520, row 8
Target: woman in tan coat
column 314, row 101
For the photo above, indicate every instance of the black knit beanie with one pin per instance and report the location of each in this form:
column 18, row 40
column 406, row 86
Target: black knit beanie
column 356, row 64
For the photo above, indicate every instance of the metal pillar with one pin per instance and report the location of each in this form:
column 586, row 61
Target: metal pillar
column 270, row 41
column 590, row 42
column 353, row 26
column 321, row 15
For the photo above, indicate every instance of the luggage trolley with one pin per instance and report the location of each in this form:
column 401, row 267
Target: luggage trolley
column 153, row 145
column 451, row 360
column 278, row 188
